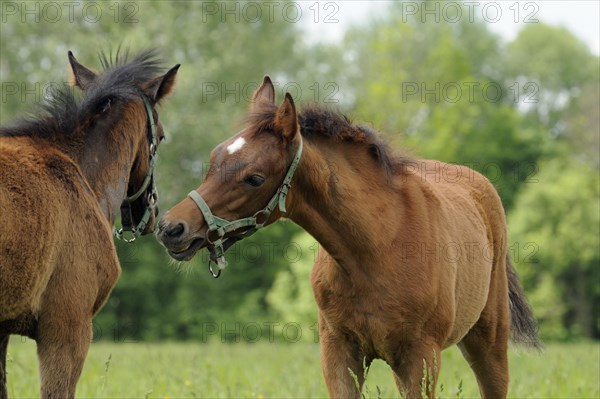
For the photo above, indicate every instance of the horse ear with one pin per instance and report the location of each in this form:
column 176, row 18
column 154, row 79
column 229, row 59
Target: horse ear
column 286, row 120
column 264, row 94
column 159, row 87
column 81, row 76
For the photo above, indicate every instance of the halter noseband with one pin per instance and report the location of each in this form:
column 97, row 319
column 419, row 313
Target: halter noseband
column 221, row 226
column 148, row 185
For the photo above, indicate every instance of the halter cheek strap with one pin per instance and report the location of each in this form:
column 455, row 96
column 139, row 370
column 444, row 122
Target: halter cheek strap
column 148, row 185
column 219, row 227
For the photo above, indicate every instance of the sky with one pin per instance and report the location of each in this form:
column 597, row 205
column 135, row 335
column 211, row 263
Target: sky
column 327, row 21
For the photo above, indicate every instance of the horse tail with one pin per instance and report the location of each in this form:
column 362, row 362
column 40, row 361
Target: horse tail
column 523, row 326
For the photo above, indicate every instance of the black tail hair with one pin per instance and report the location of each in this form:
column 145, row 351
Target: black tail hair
column 523, row 326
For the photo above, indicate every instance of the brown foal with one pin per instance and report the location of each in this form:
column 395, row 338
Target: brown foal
column 63, row 178
column 413, row 254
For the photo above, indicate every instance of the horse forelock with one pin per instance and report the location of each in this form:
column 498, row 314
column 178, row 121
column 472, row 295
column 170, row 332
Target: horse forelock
column 121, row 74
column 262, row 119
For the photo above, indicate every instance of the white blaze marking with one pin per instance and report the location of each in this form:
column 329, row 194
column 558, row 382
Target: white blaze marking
column 236, row 145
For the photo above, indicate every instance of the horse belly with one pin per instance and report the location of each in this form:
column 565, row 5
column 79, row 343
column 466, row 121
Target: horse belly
column 470, row 297
column 469, row 251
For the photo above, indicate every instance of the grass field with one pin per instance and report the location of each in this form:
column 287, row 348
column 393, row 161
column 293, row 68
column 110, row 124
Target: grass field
column 264, row 370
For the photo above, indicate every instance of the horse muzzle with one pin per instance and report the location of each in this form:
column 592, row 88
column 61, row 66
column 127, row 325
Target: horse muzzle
column 176, row 237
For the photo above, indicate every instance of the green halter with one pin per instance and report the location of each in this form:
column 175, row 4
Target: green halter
column 147, row 185
column 222, row 226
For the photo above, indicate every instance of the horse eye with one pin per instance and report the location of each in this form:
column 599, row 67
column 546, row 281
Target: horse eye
column 254, row 180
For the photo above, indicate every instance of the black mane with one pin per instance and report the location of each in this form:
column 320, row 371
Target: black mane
column 62, row 115
column 317, row 120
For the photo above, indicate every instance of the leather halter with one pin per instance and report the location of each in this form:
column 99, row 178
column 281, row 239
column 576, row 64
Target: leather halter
column 221, row 227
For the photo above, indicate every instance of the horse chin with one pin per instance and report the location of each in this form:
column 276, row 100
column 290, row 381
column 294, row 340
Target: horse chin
column 188, row 252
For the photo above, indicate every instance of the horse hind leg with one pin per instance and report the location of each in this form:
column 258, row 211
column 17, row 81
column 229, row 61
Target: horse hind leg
column 489, row 361
column 485, row 348
column 63, row 338
column 61, row 351
column 3, row 349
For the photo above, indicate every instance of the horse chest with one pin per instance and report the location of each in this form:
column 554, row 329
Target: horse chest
column 358, row 314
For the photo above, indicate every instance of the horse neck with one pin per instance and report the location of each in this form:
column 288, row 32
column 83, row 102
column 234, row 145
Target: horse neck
column 106, row 159
column 341, row 197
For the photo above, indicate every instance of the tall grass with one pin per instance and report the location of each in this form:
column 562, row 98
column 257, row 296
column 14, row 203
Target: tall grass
column 264, row 370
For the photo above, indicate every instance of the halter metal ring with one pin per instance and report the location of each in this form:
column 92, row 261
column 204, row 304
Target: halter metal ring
column 121, row 235
column 210, row 269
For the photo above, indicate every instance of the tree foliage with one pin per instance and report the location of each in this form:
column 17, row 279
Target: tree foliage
column 291, row 297
column 525, row 113
column 558, row 220
column 442, row 88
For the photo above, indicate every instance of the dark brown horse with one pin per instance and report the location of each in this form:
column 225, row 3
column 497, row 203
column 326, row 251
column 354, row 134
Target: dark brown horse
column 63, row 178
column 414, row 252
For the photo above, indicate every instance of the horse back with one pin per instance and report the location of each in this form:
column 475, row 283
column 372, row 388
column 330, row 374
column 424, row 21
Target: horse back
column 465, row 198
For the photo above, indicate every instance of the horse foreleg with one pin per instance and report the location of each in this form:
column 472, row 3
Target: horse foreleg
column 342, row 362
column 417, row 368
column 3, row 348
column 62, row 346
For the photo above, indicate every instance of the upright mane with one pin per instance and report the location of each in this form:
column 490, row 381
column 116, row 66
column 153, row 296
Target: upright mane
column 317, row 120
column 63, row 115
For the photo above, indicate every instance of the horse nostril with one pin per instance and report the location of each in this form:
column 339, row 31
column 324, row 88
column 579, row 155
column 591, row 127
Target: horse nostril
column 176, row 230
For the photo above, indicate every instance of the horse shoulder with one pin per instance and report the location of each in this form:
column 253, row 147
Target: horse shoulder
column 44, row 192
column 31, row 227
column 98, row 267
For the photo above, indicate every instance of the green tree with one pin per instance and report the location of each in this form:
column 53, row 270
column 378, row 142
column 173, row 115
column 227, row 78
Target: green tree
column 291, row 297
column 449, row 91
column 561, row 82
column 439, row 85
column 224, row 57
column 559, row 214
column 555, row 227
